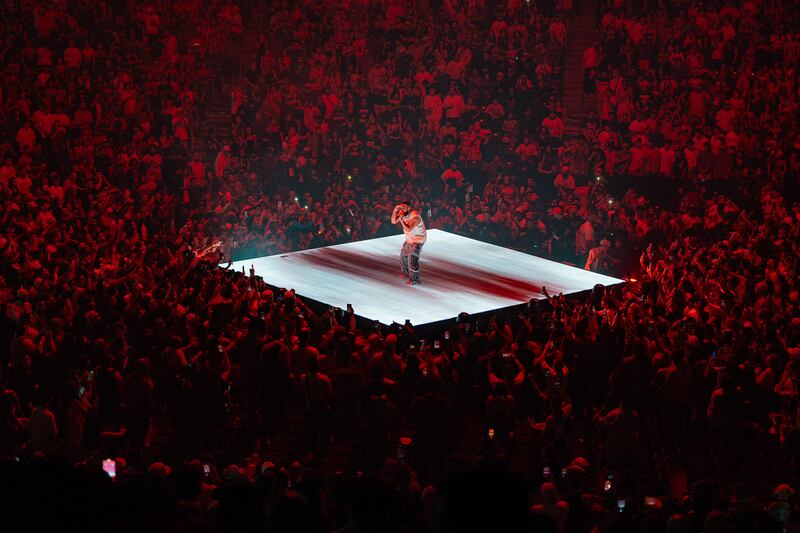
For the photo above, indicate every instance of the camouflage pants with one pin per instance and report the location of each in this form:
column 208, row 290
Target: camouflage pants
column 409, row 261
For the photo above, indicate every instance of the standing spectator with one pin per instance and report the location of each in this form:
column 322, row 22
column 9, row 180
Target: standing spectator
column 376, row 412
column 434, row 110
column 43, row 429
column 109, row 388
column 553, row 505
column 318, row 394
column 453, row 105
column 12, row 432
column 598, row 256
column 26, row 138
column 275, row 381
column 554, row 125
column 222, row 161
column 452, row 177
column 77, row 412
column 621, row 429
column 564, row 182
column 138, row 403
column 585, row 237
column 432, row 418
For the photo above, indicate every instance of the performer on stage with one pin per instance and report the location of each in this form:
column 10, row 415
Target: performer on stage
column 414, row 228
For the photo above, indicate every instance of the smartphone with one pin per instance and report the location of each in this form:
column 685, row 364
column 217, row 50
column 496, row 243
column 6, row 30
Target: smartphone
column 422, row 344
column 714, row 354
column 110, row 468
column 546, row 471
column 649, row 501
column 607, row 485
column 621, row 504
column 425, row 372
column 563, row 473
column 436, row 344
column 81, row 391
column 207, row 470
column 219, row 348
column 430, row 213
column 412, row 346
column 547, row 372
column 349, row 308
column 446, row 335
column 506, row 355
column 491, row 433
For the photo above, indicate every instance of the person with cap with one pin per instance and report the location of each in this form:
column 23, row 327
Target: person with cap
column 596, row 262
column 416, row 235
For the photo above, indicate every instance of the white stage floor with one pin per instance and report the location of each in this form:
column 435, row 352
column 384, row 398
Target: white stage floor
column 458, row 274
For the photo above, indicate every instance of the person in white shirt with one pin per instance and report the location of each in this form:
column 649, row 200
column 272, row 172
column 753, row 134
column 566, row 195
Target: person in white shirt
column 453, row 105
column 414, row 229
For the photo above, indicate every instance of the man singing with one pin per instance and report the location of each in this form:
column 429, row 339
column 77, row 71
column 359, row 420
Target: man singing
column 414, row 228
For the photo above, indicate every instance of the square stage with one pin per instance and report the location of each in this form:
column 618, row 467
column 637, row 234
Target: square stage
column 457, row 273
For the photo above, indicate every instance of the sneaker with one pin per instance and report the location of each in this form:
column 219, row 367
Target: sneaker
column 410, row 282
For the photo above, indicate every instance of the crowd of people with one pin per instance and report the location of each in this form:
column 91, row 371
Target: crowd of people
column 704, row 92
column 144, row 384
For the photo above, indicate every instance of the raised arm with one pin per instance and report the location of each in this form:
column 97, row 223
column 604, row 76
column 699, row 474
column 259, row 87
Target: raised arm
column 397, row 216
